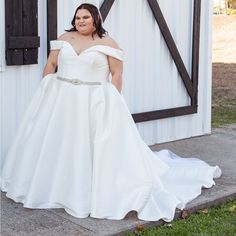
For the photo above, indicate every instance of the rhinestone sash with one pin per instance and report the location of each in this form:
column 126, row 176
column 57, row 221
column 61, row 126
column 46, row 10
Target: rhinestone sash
column 78, row 81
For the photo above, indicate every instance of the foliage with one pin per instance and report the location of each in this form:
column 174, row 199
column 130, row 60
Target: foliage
column 213, row 221
column 231, row 4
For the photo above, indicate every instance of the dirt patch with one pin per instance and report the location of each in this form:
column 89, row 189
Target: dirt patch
column 224, row 53
column 224, row 80
column 224, row 70
column 224, row 39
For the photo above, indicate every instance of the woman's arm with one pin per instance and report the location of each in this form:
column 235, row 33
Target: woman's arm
column 115, row 65
column 51, row 64
column 116, row 68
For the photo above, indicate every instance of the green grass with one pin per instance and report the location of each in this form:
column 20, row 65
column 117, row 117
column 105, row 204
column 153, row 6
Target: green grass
column 224, row 113
column 218, row 221
column 223, row 90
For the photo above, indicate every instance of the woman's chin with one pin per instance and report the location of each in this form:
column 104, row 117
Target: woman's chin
column 84, row 31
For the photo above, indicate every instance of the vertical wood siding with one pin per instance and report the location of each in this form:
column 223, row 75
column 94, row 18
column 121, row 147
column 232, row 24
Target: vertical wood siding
column 151, row 80
column 18, row 84
column 21, row 32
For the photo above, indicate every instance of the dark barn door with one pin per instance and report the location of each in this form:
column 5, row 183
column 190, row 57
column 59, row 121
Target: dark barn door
column 190, row 81
column 21, row 30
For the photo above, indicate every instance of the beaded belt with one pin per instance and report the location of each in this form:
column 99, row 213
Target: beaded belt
column 78, row 81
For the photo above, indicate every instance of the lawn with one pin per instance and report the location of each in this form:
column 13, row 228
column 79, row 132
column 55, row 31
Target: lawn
column 218, row 221
column 224, row 70
column 224, row 113
column 223, row 93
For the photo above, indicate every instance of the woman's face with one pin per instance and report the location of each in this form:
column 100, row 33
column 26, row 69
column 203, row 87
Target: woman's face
column 84, row 22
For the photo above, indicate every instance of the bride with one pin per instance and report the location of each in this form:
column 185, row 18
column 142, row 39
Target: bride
column 78, row 147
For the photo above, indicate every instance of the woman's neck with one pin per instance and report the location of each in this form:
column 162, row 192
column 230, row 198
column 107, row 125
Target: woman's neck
column 85, row 36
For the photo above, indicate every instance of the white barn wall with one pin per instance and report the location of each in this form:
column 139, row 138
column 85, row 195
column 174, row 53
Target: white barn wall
column 18, row 83
column 151, row 80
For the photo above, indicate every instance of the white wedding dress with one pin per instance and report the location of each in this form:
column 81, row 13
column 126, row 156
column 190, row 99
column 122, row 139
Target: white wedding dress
column 78, row 148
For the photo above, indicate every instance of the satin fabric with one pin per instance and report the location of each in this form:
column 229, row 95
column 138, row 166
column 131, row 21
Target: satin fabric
column 78, row 148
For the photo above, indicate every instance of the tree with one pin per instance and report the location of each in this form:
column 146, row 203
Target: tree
column 231, row 4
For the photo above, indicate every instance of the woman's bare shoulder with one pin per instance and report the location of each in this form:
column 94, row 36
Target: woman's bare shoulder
column 66, row 36
column 108, row 41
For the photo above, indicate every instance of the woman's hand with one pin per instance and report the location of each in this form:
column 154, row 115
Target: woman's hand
column 51, row 64
column 117, row 82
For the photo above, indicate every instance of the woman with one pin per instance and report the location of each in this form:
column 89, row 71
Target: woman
column 78, row 147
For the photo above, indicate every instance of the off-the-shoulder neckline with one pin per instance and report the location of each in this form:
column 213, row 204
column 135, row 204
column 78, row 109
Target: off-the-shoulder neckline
column 91, row 47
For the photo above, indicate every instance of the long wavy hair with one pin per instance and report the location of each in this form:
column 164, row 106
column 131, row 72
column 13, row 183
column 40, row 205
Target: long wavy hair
column 99, row 30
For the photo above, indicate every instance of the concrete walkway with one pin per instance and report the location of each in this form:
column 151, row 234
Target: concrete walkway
column 218, row 148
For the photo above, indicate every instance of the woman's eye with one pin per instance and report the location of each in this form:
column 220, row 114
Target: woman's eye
column 85, row 17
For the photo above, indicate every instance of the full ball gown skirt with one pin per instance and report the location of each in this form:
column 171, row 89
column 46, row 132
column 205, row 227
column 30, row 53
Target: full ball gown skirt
column 78, row 148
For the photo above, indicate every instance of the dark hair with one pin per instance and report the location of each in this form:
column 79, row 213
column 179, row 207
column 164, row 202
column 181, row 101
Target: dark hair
column 100, row 31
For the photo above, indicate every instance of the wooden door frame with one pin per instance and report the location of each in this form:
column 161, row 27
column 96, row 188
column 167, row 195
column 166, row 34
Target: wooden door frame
column 190, row 82
column 51, row 22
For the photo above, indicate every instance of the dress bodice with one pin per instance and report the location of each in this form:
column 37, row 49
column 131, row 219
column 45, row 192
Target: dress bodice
column 78, row 148
column 90, row 65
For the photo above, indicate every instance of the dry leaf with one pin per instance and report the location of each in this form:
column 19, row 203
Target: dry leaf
column 205, row 211
column 185, row 214
column 139, row 228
